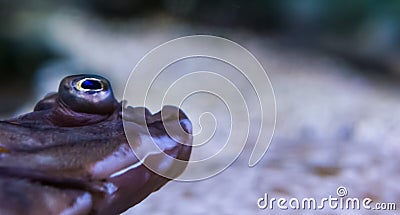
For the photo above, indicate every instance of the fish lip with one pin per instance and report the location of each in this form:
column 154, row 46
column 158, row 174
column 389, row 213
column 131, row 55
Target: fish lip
column 161, row 120
column 62, row 182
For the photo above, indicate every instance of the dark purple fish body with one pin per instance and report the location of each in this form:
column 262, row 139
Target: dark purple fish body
column 71, row 155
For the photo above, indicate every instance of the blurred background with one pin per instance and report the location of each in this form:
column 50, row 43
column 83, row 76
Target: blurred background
column 334, row 66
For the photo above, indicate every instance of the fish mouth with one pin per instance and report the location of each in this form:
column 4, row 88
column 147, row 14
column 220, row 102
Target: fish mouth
column 164, row 141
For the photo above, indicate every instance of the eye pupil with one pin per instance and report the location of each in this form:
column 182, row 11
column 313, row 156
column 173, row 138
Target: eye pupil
column 91, row 85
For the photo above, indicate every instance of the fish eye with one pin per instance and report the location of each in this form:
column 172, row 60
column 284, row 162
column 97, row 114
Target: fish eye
column 87, row 94
column 90, row 85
